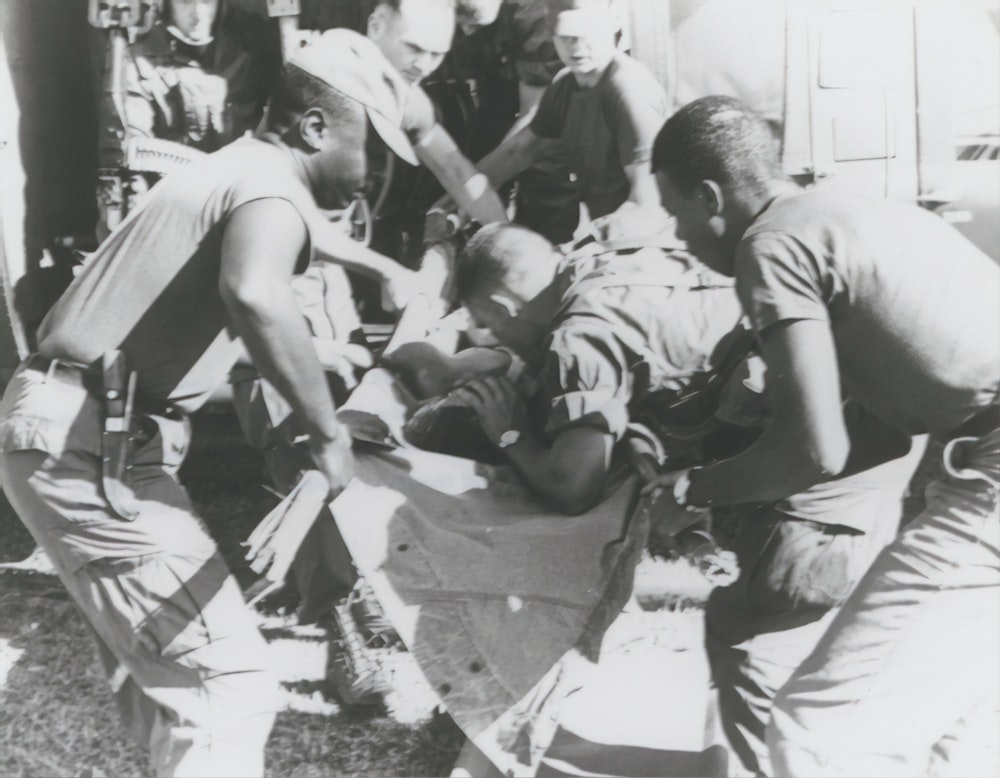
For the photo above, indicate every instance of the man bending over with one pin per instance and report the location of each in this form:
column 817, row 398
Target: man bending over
column 886, row 305
column 94, row 426
column 601, row 330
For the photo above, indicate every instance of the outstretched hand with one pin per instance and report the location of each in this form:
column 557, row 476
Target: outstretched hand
column 334, row 460
column 398, row 288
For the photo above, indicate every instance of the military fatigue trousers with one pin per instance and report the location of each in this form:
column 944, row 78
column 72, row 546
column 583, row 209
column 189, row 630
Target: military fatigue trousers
column 906, row 680
column 184, row 656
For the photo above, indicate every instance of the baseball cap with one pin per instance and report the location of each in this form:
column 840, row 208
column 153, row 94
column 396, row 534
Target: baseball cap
column 351, row 64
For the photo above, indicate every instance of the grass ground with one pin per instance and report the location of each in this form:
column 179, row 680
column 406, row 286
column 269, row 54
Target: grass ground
column 57, row 716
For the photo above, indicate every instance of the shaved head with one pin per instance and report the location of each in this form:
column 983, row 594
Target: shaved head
column 508, row 257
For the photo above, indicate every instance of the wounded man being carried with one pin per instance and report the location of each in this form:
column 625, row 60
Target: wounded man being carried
column 471, row 560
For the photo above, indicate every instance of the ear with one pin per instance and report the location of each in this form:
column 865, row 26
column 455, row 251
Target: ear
column 313, row 128
column 376, row 23
column 710, row 195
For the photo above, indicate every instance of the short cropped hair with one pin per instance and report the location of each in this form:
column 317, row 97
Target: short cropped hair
column 717, row 139
column 497, row 254
column 558, row 6
column 394, row 5
column 474, row 10
column 298, row 91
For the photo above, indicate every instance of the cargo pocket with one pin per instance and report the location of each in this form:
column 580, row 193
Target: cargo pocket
column 804, row 564
column 159, row 441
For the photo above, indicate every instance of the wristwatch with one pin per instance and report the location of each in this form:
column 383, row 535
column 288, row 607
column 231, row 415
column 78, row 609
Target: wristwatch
column 681, row 487
column 509, row 438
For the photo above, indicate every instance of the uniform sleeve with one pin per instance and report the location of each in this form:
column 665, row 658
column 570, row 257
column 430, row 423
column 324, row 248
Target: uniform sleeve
column 551, row 113
column 779, row 279
column 586, row 381
column 638, row 111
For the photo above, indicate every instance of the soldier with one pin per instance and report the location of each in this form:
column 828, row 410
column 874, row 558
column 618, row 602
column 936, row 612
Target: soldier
column 521, row 53
column 623, row 344
column 602, row 331
column 189, row 84
column 886, row 305
column 604, row 109
column 190, row 80
column 415, row 35
column 94, row 426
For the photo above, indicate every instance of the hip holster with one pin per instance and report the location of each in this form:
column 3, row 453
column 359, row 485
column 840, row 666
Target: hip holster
column 117, row 399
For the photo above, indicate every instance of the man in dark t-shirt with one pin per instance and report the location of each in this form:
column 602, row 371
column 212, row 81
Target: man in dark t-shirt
column 886, row 305
column 603, row 111
column 512, row 41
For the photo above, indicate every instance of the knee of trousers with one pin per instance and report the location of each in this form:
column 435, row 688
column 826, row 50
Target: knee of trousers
column 242, row 708
column 787, row 746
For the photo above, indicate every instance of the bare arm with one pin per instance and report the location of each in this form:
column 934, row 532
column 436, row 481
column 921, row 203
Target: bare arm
column 806, row 440
column 514, row 155
column 528, row 99
column 569, row 474
column 260, row 246
column 332, row 244
column 461, row 180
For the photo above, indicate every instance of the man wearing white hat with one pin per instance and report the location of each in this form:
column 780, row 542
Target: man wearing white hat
column 604, row 109
column 94, row 426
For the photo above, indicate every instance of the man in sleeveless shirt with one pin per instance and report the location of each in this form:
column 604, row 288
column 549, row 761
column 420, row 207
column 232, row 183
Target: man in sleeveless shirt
column 205, row 261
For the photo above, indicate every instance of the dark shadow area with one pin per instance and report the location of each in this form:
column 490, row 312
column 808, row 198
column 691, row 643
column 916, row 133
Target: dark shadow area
column 57, row 715
column 49, row 58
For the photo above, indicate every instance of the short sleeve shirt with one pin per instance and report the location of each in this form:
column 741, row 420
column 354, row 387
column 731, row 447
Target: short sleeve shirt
column 605, row 128
column 911, row 304
column 152, row 288
column 624, row 331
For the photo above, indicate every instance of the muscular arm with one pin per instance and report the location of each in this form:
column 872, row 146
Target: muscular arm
column 332, row 244
column 514, row 155
column 570, row 474
column 806, row 440
column 461, row 180
column 260, row 246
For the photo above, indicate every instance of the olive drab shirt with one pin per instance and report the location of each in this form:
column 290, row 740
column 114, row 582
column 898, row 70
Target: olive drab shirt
column 630, row 324
column 203, row 97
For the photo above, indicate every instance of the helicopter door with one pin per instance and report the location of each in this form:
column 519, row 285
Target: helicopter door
column 850, row 111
